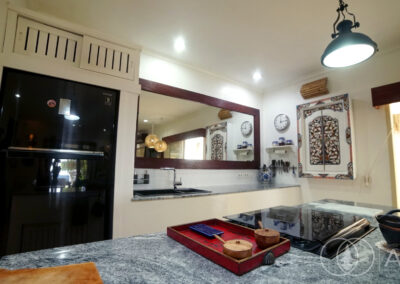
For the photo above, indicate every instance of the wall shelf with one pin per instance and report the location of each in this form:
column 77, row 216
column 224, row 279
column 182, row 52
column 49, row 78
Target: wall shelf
column 282, row 149
column 247, row 151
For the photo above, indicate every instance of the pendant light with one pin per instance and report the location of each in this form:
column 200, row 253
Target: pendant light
column 347, row 48
column 160, row 146
column 151, row 139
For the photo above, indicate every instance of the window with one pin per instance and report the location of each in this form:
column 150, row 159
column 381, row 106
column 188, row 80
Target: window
column 395, row 128
column 194, row 148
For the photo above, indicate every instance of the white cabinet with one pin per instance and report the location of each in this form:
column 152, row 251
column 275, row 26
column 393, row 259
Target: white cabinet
column 325, row 139
column 42, row 38
column 36, row 39
column 108, row 58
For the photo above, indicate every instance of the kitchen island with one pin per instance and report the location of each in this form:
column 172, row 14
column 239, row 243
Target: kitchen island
column 155, row 258
column 169, row 211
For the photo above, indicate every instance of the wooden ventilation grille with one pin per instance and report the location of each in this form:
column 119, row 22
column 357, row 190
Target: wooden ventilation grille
column 108, row 58
column 314, row 89
column 37, row 39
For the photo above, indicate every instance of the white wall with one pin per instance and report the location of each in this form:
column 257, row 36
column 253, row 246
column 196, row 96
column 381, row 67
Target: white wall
column 129, row 217
column 172, row 73
column 196, row 178
column 140, row 217
column 155, row 215
column 369, row 126
column 166, row 71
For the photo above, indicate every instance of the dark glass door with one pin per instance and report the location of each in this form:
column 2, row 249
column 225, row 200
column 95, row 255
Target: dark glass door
column 48, row 113
column 57, row 156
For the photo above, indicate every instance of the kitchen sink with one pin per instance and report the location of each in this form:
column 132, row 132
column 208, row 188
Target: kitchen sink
column 160, row 192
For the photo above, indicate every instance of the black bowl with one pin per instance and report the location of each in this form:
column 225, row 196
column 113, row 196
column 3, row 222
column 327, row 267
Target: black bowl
column 389, row 225
column 389, row 219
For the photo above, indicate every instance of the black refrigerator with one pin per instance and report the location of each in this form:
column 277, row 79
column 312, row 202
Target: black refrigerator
column 57, row 160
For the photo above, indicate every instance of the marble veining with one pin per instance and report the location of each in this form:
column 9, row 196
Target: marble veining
column 155, row 258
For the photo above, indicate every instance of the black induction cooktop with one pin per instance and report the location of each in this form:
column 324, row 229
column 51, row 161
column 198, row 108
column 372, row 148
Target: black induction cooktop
column 309, row 228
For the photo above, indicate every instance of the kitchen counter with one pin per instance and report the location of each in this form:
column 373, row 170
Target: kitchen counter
column 219, row 189
column 155, row 258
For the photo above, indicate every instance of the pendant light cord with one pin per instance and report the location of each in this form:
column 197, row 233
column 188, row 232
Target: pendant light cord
column 341, row 11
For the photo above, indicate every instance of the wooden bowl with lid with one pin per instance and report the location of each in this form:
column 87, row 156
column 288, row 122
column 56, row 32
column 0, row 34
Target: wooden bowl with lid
column 266, row 237
column 236, row 248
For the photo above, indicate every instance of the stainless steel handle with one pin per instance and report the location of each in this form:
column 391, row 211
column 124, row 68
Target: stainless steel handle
column 55, row 151
column 348, row 231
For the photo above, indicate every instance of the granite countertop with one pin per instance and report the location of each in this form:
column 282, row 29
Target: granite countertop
column 219, row 189
column 155, row 258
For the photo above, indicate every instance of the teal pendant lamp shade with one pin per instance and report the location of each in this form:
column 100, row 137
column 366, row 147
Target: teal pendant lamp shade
column 347, row 48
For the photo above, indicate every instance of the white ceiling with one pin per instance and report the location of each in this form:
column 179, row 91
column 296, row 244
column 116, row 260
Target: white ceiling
column 283, row 39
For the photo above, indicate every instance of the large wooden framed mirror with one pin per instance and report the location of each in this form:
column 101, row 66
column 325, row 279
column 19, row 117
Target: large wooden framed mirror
column 199, row 131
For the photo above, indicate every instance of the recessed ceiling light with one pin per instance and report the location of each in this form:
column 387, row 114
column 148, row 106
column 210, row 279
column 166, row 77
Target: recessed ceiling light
column 17, row 96
column 257, row 76
column 179, row 44
column 145, row 120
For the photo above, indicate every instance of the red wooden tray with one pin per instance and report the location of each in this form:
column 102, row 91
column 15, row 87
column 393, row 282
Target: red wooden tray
column 212, row 248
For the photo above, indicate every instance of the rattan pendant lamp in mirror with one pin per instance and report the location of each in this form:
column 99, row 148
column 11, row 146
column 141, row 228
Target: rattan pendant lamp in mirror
column 347, row 48
column 160, row 146
column 151, row 139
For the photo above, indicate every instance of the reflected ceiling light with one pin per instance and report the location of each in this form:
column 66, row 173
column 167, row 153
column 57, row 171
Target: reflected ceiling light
column 347, row 48
column 17, row 96
column 179, row 44
column 257, row 76
column 145, row 120
column 160, row 146
column 72, row 117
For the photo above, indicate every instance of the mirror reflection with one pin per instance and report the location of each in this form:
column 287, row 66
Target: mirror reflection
column 172, row 128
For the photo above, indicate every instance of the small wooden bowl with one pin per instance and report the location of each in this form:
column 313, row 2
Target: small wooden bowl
column 238, row 249
column 266, row 237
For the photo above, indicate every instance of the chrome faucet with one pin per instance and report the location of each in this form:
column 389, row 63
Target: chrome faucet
column 175, row 182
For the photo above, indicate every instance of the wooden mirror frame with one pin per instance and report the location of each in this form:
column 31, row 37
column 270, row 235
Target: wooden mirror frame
column 156, row 163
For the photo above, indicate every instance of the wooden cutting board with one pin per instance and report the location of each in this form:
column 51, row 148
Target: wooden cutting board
column 74, row 273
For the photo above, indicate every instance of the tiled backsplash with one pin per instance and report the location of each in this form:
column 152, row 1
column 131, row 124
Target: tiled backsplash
column 160, row 179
